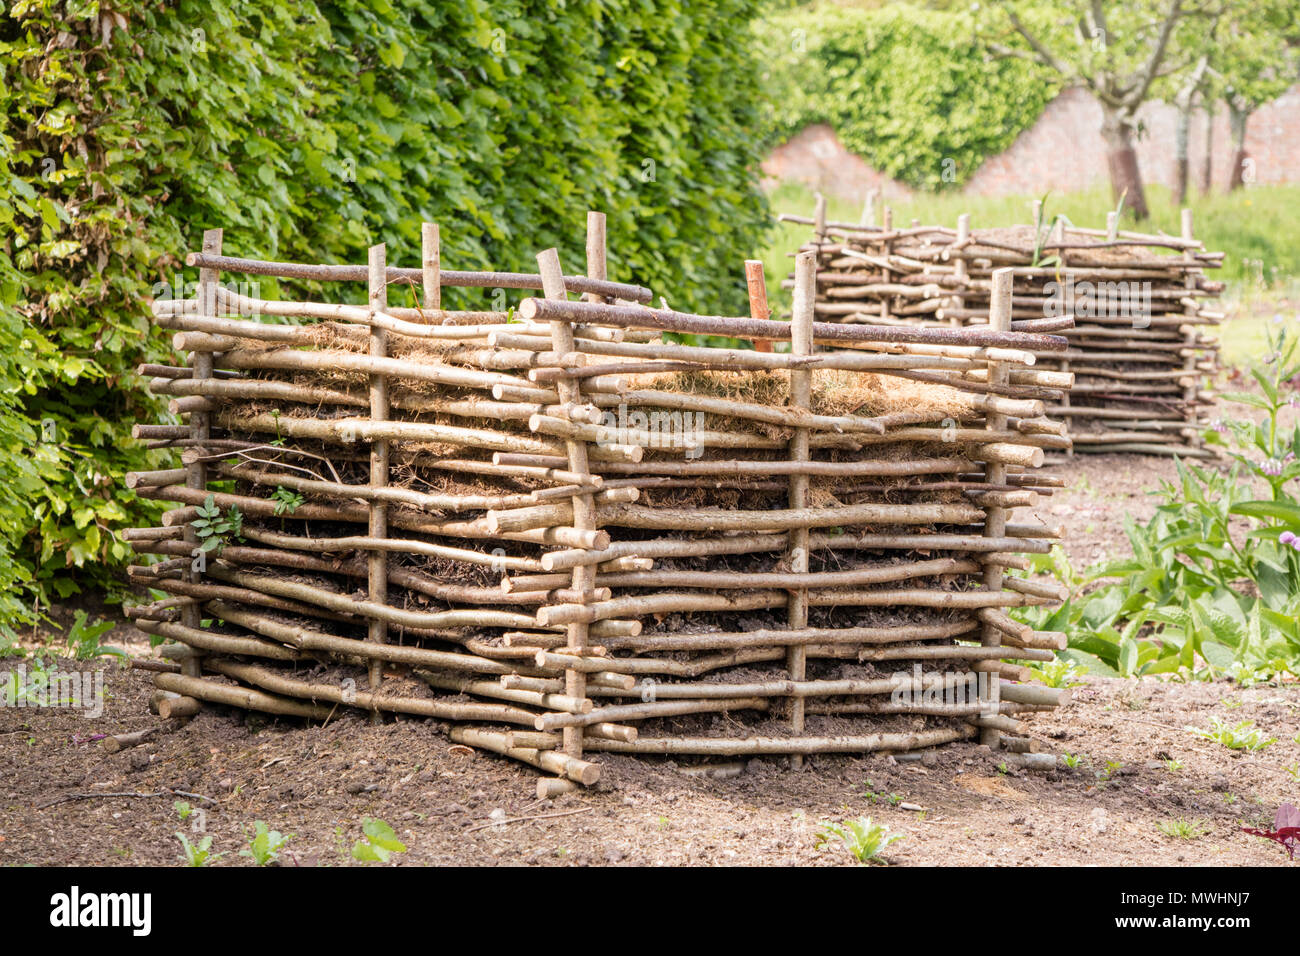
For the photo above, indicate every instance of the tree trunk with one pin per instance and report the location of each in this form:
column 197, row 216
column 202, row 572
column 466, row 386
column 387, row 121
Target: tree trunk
column 1122, row 161
column 1238, row 116
column 1184, row 100
column 1181, row 128
column 1207, row 170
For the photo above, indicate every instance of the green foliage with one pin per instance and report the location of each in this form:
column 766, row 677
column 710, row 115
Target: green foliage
column 215, row 527
column 1198, row 597
column 83, row 638
column 197, row 854
column 864, row 839
column 1182, row 828
column 909, row 90
column 265, row 846
column 286, row 501
column 1242, row 736
column 379, row 844
column 1058, row 673
column 309, row 131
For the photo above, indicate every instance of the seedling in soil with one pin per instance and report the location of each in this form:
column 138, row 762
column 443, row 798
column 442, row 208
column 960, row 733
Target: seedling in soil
column 1182, row 829
column 285, row 500
column 379, row 844
column 875, row 795
column 1294, row 770
column 1072, row 761
column 1003, row 769
column 198, row 854
column 1060, row 673
column 1242, row 736
column 1286, row 829
column 264, row 848
column 864, row 839
column 1173, row 766
column 83, row 639
column 1230, row 798
column 1112, row 767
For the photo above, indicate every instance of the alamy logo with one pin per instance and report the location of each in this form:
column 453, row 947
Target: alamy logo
column 1099, row 300
column 70, row 690
column 942, row 689
column 75, row 909
column 656, row 429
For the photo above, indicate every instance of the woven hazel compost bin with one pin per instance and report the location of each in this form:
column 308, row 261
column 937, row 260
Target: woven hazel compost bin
column 562, row 535
column 1139, row 352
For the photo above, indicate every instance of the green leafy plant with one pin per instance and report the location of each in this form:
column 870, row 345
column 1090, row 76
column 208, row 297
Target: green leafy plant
column 1198, row 598
column 1072, row 761
column 1182, row 829
column 1061, row 672
column 379, row 844
column 214, row 527
column 1241, row 736
column 285, row 500
column 1042, row 234
column 198, row 854
column 864, row 839
column 265, row 845
column 183, row 809
column 83, row 638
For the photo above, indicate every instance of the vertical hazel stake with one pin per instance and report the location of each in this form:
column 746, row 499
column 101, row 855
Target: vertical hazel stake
column 584, row 504
column 819, row 218
column 1035, row 212
column 995, row 517
column 1112, row 226
column 888, row 227
column 431, row 266
column 801, row 343
column 869, row 208
column 377, row 563
column 758, row 309
column 1190, row 336
column 196, row 473
column 959, row 269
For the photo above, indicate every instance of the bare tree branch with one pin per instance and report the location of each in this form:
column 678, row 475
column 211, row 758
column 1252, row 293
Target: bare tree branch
column 1148, row 73
column 1044, row 54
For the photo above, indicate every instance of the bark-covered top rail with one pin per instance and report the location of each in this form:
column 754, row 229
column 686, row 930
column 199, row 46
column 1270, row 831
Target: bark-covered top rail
column 635, row 316
column 447, row 277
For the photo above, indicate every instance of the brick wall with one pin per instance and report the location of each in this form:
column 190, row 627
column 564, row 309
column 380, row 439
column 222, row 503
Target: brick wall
column 1063, row 151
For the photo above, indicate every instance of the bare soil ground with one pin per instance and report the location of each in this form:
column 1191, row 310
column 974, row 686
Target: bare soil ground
column 64, row 800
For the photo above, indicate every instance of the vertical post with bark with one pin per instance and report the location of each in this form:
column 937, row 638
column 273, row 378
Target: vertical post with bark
column 196, row 472
column 584, row 502
column 431, row 266
column 888, row 227
column 756, row 283
column 377, row 562
column 869, row 207
column 995, row 474
column 801, row 343
column 1191, row 332
column 960, row 270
